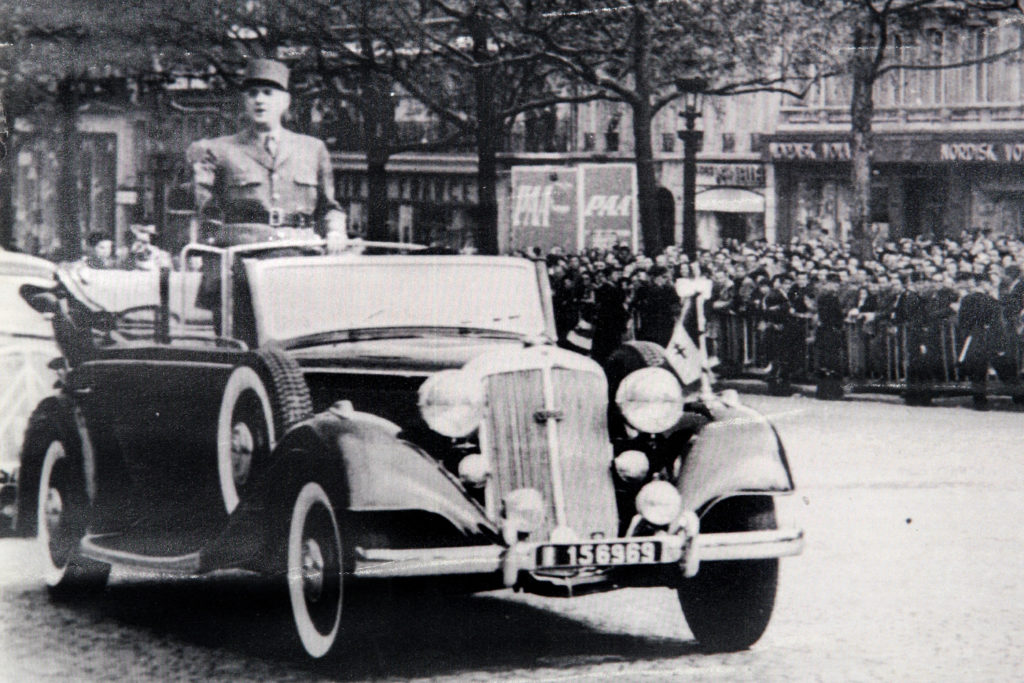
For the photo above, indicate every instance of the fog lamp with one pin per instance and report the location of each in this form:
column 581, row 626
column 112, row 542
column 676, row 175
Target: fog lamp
column 524, row 513
column 659, row 503
column 474, row 470
column 632, row 466
column 651, row 400
column 451, row 403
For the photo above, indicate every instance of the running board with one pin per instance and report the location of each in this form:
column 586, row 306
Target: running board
column 184, row 565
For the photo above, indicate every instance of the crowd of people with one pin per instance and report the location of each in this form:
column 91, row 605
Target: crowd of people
column 923, row 286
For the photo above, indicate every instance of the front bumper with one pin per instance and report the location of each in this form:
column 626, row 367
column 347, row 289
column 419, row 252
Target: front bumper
column 680, row 548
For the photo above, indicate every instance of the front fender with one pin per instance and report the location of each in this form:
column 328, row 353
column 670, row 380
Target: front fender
column 737, row 452
column 366, row 467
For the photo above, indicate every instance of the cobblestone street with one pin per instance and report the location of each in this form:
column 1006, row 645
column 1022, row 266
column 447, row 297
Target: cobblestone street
column 911, row 572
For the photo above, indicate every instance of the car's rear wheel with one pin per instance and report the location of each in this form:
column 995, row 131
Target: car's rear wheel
column 728, row 604
column 261, row 402
column 245, row 434
column 314, row 567
column 62, row 507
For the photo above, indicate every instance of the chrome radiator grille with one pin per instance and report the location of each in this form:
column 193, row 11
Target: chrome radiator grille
column 555, row 440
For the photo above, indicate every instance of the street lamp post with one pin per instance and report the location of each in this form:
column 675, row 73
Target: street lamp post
column 692, row 139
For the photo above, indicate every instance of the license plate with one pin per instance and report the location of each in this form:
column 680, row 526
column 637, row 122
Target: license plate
column 599, row 554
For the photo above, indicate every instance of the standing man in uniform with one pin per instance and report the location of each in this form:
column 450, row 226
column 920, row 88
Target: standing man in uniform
column 265, row 182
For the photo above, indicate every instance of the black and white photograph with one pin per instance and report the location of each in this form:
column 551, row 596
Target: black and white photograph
column 515, row 340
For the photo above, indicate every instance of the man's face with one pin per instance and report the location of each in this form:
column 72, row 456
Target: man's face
column 103, row 249
column 265, row 105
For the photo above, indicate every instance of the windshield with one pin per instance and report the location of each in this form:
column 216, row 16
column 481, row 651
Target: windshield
column 301, row 297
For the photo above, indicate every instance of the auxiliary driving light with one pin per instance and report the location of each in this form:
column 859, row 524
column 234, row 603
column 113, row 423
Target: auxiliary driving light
column 451, row 403
column 651, row 400
column 474, row 470
column 632, row 466
column 524, row 513
column 659, row 503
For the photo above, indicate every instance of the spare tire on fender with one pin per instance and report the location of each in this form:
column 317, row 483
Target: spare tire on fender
column 262, row 400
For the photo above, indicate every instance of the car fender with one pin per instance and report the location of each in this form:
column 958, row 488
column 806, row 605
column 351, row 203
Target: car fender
column 738, row 452
column 366, row 468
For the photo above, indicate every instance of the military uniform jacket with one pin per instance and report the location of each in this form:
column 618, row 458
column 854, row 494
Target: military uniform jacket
column 236, row 170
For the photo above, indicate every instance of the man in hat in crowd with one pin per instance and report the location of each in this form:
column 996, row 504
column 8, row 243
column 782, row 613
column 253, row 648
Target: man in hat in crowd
column 266, row 182
column 142, row 253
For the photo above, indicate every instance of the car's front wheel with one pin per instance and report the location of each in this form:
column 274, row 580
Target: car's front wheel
column 728, row 604
column 314, row 570
column 61, row 514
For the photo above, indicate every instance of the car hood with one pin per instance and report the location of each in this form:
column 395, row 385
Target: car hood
column 412, row 355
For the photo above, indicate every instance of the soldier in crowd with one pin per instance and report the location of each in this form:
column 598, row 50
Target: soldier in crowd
column 778, row 325
column 610, row 315
column 981, row 330
column 909, row 312
column 657, row 306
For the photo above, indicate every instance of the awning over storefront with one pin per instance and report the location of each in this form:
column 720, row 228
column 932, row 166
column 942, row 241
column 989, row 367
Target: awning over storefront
column 730, row 200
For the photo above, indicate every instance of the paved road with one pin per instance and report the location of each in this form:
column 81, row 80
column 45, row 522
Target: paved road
column 911, row 572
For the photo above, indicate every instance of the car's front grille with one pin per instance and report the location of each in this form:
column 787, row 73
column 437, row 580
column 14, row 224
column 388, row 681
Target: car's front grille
column 524, row 455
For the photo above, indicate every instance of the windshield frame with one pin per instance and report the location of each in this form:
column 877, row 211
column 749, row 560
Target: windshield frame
column 257, row 269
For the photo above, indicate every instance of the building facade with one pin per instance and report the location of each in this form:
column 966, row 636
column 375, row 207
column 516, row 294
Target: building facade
column 948, row 144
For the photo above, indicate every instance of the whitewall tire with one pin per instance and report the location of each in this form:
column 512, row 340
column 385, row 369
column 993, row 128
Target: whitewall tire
column 314, row 570
column 245, row 433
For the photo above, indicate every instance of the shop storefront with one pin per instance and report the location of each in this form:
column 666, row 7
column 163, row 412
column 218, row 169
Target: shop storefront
column 933, row 185
column 730, row 202
column 431, row 197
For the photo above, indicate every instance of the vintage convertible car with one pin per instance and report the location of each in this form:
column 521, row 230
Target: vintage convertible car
column 26, row 351
column 325, row 420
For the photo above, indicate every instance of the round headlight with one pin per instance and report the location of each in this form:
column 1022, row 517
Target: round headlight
column 451, row 403
column 474, row 470
column 651, row 400
column 659, row 503
column 632, row 466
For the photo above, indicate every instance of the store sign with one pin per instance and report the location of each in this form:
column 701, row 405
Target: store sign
column 544, row 201
column 905, row 148
column 574, row 207
column 827, row 150
column 609, row 205
column 731, row 175
column 1007, row 152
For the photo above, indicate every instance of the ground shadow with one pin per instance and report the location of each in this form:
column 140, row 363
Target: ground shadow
column 398, row 631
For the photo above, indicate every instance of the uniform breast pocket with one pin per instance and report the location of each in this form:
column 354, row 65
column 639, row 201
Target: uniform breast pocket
column 242, row 184
column 306, row 185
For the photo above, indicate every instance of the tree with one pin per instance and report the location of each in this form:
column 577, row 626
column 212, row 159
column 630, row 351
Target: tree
column 477, row 73
column 865, row 29
column 55, row 57
column 645, row 53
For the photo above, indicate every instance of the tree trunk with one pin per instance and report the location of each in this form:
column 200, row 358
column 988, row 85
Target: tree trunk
column 862, row 107
column 68, row 230
column 646, row 182
column 377, row 192
column 487, row 131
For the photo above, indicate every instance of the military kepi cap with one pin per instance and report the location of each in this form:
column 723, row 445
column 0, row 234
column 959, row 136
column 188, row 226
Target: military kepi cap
column 266, row 72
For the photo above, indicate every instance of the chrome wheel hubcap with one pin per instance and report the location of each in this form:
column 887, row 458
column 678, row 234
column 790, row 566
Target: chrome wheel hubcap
column 242, row 446
column 312, row 570
column 53, row 508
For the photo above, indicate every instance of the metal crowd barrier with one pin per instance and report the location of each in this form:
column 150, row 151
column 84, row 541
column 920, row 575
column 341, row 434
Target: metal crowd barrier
column 874, row 354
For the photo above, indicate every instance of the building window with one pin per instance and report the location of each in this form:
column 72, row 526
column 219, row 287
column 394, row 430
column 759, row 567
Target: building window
column 588, row 142
column 728, row 142
column 668, row 142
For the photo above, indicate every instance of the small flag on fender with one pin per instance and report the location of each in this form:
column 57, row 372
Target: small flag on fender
column 683, row 355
